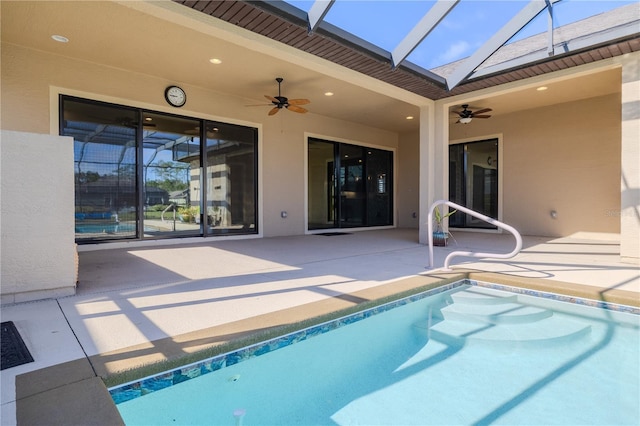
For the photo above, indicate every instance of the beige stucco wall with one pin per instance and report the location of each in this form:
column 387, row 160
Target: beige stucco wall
column 31, row 80
column 408, row 175
column 565, row 158
column 630, row 175
column 38, row 252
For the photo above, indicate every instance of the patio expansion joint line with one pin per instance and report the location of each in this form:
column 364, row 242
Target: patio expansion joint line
column 77, row 340
column 377, row 252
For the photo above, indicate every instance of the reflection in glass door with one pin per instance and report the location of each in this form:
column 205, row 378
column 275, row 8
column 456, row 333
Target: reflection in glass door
column 348, row 186
column 352, row 186
column 321, row 185
column 231, row 178
column 139, row 174
column 171, row 176
column 104, row 169
column 473, row 181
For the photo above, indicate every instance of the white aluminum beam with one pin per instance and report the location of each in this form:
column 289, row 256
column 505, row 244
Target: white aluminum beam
column 526, row 15
column 428, row 22
column 317, row 13
column 565, row 47
column 550, row 50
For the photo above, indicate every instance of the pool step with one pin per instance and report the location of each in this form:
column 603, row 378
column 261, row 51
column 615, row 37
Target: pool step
column 480, row 315
column 550, row 331
column 509, row 313
column 483, row 296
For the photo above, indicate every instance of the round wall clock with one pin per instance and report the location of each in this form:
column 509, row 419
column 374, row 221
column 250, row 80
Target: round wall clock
column 175, row 96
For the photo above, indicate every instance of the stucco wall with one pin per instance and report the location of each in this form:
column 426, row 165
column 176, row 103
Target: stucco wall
column 30, row 82
column 408, row 185
column 38, row 252
column 565, row 158
column 630, row 175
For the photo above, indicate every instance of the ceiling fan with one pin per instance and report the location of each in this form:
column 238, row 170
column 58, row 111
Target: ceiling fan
column 467, row 115
column 280, row 102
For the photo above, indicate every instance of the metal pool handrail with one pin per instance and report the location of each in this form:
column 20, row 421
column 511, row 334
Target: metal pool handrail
column 475, row 214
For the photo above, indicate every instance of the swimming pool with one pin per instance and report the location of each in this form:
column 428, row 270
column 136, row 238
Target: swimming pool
column 468, row 354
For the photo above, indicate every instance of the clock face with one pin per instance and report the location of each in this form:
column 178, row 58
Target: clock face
column 175, row 96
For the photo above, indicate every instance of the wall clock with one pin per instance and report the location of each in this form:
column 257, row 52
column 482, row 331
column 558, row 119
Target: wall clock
column 175, row 96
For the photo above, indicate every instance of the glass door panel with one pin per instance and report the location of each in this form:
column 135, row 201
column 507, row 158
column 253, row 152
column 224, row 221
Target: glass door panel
column 473, row 181
column 351, row 184
column 104, row 169
column 321, row 186
column 171, row 176
column 379, row 187
column 231, row 179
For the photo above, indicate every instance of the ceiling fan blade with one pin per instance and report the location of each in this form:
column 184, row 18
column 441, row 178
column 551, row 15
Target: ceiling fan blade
column 274, row 111
column 482, row 111
column 299, row 101
column 481, row 116
column 272, row 99
column 295, row 108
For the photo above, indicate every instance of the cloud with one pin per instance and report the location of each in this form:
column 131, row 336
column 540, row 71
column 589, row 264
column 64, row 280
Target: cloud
column 456, row 51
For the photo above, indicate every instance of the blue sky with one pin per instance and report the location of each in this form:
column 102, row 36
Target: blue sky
column 471, row 23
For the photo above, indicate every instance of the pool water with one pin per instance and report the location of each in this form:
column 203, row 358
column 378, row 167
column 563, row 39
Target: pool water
column 470, row 355
column 105, row 228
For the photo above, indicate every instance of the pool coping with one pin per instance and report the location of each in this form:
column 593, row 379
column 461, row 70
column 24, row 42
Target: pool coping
column 76, row 392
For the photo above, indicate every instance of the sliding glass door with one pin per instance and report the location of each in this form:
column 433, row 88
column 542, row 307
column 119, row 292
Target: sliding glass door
column 144, row 174
column 348, row 186
column 473, row 181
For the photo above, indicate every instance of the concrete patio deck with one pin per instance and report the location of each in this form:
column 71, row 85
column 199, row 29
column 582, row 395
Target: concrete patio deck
column 142, row 305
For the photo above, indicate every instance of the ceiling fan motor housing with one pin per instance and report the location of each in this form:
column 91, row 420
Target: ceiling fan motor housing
column 280, row 101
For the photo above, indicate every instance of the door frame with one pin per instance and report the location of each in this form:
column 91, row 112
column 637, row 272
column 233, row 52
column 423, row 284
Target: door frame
column 393, row 150
column 480, row 138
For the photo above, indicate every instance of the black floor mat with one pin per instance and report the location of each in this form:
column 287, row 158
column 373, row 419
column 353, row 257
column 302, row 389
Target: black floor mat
column 14, row 351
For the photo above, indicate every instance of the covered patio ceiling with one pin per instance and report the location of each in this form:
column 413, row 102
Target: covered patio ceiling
column 172, row 42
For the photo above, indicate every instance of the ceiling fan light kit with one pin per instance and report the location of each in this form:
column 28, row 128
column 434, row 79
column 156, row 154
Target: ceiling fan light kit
column 466, row 115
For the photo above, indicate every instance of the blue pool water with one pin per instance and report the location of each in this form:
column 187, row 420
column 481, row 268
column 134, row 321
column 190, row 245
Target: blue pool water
column 470, row 355
column 105, row 228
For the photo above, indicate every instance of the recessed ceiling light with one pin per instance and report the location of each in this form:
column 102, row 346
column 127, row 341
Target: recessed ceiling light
column 148, row 119
column 215, row 61
column 328, row 93
column 59, row 38
column 542, row 88
column 409, row 117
